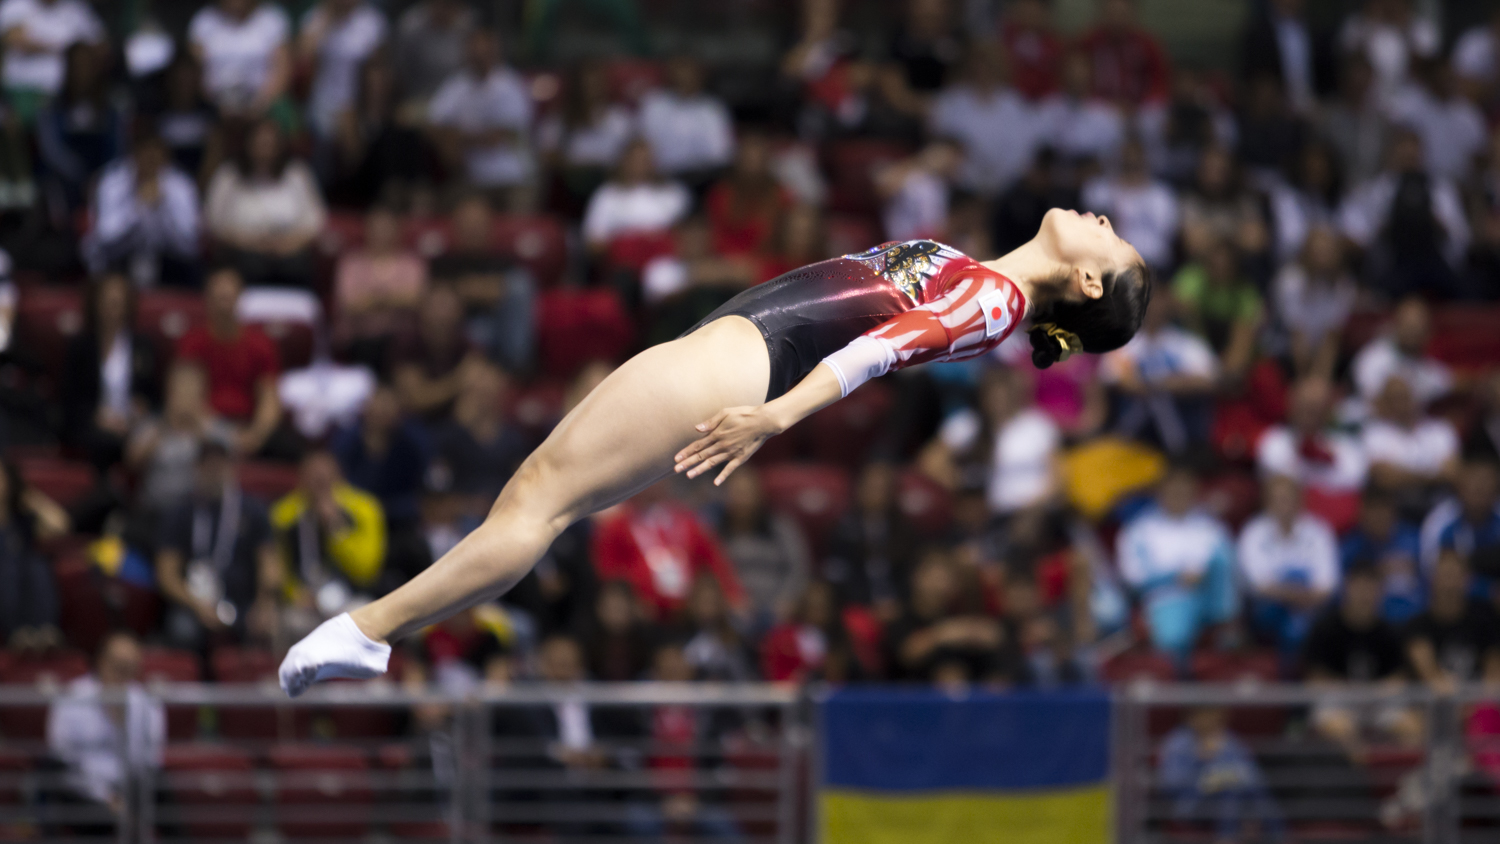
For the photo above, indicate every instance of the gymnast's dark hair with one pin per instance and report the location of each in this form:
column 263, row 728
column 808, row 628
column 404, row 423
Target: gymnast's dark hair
column 1101, row 325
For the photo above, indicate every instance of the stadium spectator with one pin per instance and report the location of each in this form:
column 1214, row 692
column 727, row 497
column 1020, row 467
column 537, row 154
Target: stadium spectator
column 800, row 238
column 162, row 450
column 925, row 51
column 1164, row 377
column 1476, row 60
column 110, row 374
column 1391, row 547
column 1220, row 304
column 1391, row 35
column 242, row 363
column 378, row 155
column 146, row 218
column 498, row 295
column 1130, row 66
column 873, row 547
column 38, row 34
column 716, row 648
column 1219, row 206
column 746, row 204
column 1178, row 131
column 618, row 641
column 377, row 288
column 80, row 130
column 186, row 121
column 387, row 456
column 427, row 368
column 1142, row 209
column 1085, row 131
column 1469, row 522
column 661, row 548
column 1033, row 49
column 1410, row 453
column 99, row 743
column 558, row 594
column 815, row 642
column 1306, row 199
column 1483, row 441
column 768, row 550
column 28, row 592
column 1451, row 127
column 264, row 210
column 1309, row 449
column 429, row 45
column 1313, row 296
column 1401, row 352
column 479, row 449
column 336, row 38
column 1289, row 562
column 244, row 49
column 1280, row 43
column 333, row 541
column 481, row 120
column 941, row 636
column 998, row 130
column 1350, row 642
column 1456, row 639
column 1179, row 562
column 690, row 130
column 915, row 191
column 1271, row 130
column 216, row 560
column 584, row 142
column 636, row 200
column 1353, row 121
column 1213, row 779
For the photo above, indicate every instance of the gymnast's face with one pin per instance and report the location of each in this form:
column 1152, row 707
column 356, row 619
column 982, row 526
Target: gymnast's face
column 1089, row 246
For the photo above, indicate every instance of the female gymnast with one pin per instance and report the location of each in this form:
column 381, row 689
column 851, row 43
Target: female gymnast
column 765, row 360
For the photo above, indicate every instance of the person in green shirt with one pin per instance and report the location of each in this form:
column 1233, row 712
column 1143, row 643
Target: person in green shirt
column 1219, row 303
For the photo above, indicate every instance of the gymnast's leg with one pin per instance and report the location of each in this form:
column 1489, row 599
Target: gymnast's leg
column 619, row 440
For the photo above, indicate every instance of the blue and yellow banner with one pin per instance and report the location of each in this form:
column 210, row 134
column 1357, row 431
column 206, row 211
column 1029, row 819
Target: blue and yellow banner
column 923, row 767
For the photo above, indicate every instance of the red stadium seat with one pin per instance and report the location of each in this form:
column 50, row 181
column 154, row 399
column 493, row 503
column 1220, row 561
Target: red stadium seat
column 213, row 789
column 845, row 431
column 341, row 233
column 246, row 665
column 14, row 766
column 851, row 165
column 168, row 665
column 64, row 481
column 166, row 315
column 537, row 241
column 1464, row 336
column 816, row 495
column 46, row 319
column 631, row 253
column 267, row 481
column 1339, row 509
column 630, row 79
column 576, row 326
column 49, row 672
column 83, row 612
column 1138, row 665
column 924, row 503
column 1224, row 667
column 321, row 791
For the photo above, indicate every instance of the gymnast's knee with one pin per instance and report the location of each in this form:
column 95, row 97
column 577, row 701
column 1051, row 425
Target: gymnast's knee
column 532, row 493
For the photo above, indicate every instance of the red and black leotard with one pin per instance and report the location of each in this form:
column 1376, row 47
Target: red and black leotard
column 895, row 305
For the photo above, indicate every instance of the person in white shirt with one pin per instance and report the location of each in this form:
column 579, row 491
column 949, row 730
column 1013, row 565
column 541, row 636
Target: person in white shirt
column 336, row 38
column 36, row 34
column 1476, row 59
column 1010, row 444
column 482, row 117
column 997, row 128
column 1142, row 209
column 1308, row 450
column 1179, row 562
column 1390, row 34
column 1452, row 128
column 1402, row 352
column 243, row 47
column 587, row 135
column 1078, row 126
column 916, row 192
column 429, row 45
column 1165, row 376
column 1410, row 454
column 145, row 217
column 635, row 201
column 690, row 131
column 98, row 741
column 1289, row 562
column 1314, row 296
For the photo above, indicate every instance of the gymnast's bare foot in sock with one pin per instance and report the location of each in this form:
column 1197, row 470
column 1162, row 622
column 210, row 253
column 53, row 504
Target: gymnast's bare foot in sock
column 337, row 648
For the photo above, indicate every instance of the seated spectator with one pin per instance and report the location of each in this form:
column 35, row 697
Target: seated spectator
column 332, row 538
column 815, row 643
column 1451, row 127
column 1018, row 213
column 1483, row 441
column 1165, row 376
column 429, row 45
column 1281, row 43
column 28, row 593
column 216, row 561
column 800, row 238
column 38, row 34
column 146, row 218
column 1177, row 132
column 81, row 130
column 243, row 46
column 110, row 374
column 1401, row 352
column 1391, row 547
column 915, row 192
column 1313, row 297
column 1354, row 122
column 478, row 449
column 1350, row 642
column 377, row 288
column 1289, row 563
column 690, row 131
column 162, row 450
column 585, row 141
column 1217, row 206
column 100, row 743
column 1469, row 522
column 634, row 201
column 925, row 51
column 661, row 548
column 1179, row 562
column 1213, row 779
column 499, row 295
column 1391, row 35
column 941, row 636
column 1410, row 222
column 997, row 129
column 1410, row 453
column 264, row 210
column 1271, row 130
column 1308, row 449
column 1007, row 446
column 716, row 649
column 1142, row 209
column 1456, row 639
column 1085, row 131
column 427, row 368
column 1476, row 60
column 378, row 156
column 241, row 362
column 1130, row 66
column 1033, row 48
column 481, row 120
column 1219, row 303
column 873, row 547
column 386, row 456
column 618, row 641
column 1306, row 200
column 746, row 204
column 559, row 592
column 185, row 120
column 337, row 37
column 768, row 550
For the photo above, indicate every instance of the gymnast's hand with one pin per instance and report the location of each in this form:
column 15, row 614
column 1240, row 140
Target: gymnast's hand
column 729, row 438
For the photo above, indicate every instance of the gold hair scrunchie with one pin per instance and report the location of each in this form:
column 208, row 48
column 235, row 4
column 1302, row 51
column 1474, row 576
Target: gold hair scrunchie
column 1065, row 338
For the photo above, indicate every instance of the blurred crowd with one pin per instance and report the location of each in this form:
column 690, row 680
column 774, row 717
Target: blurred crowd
column 401, row 243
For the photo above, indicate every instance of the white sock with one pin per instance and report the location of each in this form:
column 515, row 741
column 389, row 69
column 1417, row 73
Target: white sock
column 336, row 648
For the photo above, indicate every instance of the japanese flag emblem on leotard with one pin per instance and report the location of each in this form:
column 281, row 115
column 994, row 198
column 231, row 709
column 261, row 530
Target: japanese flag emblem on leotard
column 997, row 312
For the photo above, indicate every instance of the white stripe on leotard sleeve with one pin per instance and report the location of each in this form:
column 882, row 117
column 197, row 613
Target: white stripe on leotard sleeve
column 864, row 358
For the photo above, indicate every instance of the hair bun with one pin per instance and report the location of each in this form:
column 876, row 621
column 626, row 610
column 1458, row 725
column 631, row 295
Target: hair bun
column 1045, row 348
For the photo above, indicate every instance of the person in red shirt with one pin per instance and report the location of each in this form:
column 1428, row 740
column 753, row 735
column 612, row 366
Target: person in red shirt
column 745, row 205
column 1033, row 48
column 1130, row 66
column 241, row 363
column 659, row 546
